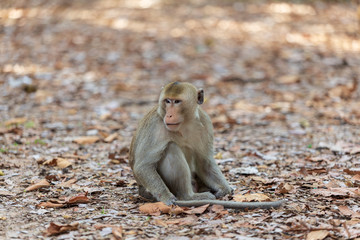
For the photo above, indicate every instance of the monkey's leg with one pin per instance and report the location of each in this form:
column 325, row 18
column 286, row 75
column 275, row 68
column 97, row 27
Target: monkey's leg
column 210, row 174
column 175, row 172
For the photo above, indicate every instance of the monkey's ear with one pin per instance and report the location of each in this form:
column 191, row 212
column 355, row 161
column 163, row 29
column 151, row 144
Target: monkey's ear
column 200, row 99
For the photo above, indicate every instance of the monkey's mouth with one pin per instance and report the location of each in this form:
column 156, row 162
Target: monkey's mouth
column 172, row 124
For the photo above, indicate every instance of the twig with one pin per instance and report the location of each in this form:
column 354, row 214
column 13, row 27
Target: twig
column 347, row 230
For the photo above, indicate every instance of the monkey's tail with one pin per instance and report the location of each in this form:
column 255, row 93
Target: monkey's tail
column 231, row 204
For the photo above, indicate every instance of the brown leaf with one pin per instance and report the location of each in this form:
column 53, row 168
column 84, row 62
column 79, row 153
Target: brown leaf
column 68, row 183
column 55, row 229
column 111, row 138
column 59, row 162
column 82, row 198
column 62, row 163
column 284, row 188
column 117, row 232
column 177, row 210
column 345, row 192
column 198, row 210
column 317, row 235
column 288, row 79
column 50, row 205
column 155, row 209
column 253, row 197
column 86, row 139
column 15, row 121
column 41, row 184
column 217, row 208
column 6, row 193
column 352, row 171
column 160, row 222
column 184, row 221
column 345, row 210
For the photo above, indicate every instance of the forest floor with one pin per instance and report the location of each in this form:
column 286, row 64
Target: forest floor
column 281, row 87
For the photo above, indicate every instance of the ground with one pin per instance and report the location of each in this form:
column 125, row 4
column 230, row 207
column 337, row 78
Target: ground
column 281, row 87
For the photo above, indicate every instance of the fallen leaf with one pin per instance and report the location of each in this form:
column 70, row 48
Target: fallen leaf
column 15, row 121
column 155, row 209
column 345, row 192
column 59, row 162
column 198, row 210
column 111, row 138
column 117, row 232
column 251, row 197
column 50, row 205
column 62, row 162
column 68, row 183
column 86, row 140
column 41, row 184
column 55, row 229
column 317, row 235
column 160, row 222
column 353, row 171
column 217, row 208
column 356, row 177
column 345, row 210
column 284, row 188
column 189, row 220
column 288, row 79
column 6, row 193
column 82, row 198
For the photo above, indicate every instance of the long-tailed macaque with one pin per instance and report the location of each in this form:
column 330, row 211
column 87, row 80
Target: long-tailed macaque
column 171, row 153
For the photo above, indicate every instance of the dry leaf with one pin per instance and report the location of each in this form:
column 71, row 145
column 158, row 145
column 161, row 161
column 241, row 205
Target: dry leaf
column 160, row 222
column 155, row 208
column 353, row 171
column 253, row 197
column 198, row 210
column 62, row 162
column 59, row 162
column 6, row 193
column 82, row 198
column 345, row 192
column 317, row 235
column 111, row 138
column 50, row 205
column 284, row 188
column 345, row 210
column 288, row 79
column 217, row 208
column 41, row 184
column 184, row 221
column 55, row 229
column 15, row 121
column 86, row 139
column 117, row 232
column 68, row 183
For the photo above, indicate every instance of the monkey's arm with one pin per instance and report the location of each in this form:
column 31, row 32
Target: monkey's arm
column 151, row 180
column 231, row 204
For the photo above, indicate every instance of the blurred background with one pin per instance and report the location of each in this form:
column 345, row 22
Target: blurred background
column 281, row 87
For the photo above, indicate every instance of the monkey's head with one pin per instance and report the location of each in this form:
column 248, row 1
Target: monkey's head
column 178, row 102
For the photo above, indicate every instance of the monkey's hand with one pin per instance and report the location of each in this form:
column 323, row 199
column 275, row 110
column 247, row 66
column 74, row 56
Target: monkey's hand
column 225, row 190
column 168, row 199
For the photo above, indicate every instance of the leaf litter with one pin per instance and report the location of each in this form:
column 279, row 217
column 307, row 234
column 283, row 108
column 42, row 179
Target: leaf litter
column 281, row 85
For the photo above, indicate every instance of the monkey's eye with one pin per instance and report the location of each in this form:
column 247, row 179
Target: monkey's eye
column 167, row 101
column 177, row 101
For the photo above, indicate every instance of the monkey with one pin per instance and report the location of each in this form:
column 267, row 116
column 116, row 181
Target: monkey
column 171, row 153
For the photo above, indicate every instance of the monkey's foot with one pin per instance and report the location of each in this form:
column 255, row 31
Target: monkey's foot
column 203, row 196
column 224, row 191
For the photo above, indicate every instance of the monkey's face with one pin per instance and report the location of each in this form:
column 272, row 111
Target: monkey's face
column 173, row 114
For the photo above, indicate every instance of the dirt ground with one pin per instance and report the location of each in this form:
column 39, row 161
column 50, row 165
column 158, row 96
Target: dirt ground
column 281, row 86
